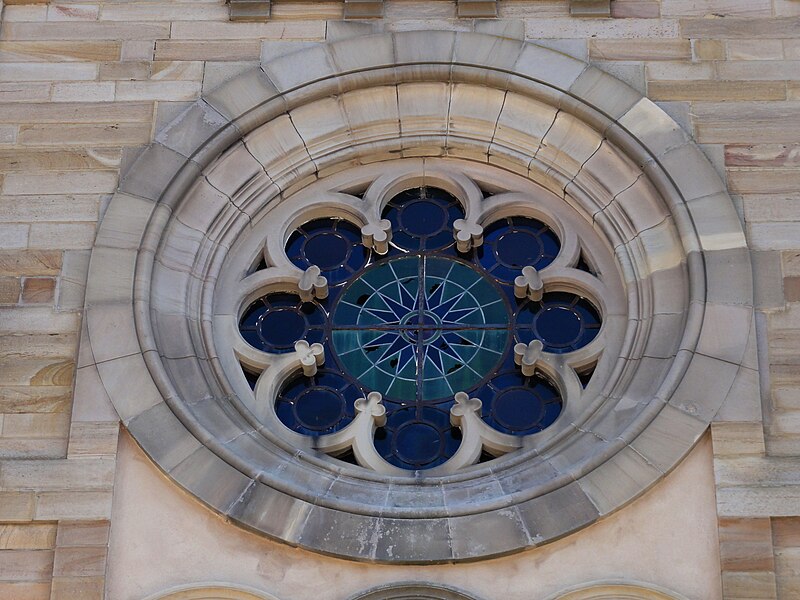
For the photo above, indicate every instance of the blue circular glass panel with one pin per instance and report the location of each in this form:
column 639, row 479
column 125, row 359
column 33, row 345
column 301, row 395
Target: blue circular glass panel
column 327, row 250
column 563, row 322
column 319, row 408
column 334, row 245
column 519, row 405
column 317, row 405
column 276, row 321
column 282, row 327
column 516, row 242
column 418, row 443
column 422, row 219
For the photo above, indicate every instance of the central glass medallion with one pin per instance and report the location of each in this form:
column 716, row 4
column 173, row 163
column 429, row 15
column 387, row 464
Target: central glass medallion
column 419, row 328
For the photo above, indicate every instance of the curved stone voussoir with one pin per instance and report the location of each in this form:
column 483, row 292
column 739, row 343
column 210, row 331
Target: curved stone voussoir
column 247, row 99
column 604, row 93
column 199, row 133
column 153, row 171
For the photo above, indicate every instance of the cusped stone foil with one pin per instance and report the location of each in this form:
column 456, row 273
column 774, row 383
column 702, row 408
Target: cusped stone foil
column 517, row 118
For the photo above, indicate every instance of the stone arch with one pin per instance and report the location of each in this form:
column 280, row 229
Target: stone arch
column 502, row 104
column 628, row 590
column 413, row 591
column 210, row 592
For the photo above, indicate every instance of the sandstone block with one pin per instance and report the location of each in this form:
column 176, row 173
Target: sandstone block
column 83, row 92
column 635, row 9
column 746, row 122
column 164, row 11
column 622, row 49
column 76, row 112
column 38, row 290
column 708, row 50
column 16, row 506
column 754, row 49
column 118, row 134
column 86, row 588
column 57, row 51
column 158, row 90
column 273, row 30
column 41, row 425
column 93, row 439
column 79, row 12
column 80, row 561
column 227, row 50
column 82, row 533
column 10, row 289
column 716, row 91
column 739, row 27
column 34, row 399
column 738, row 439
column 719, row 8
column 24, row 92
column 85, row 31
column 26, row 565
column 25, row 590
column 746, row 544
column 90, row 474
column 608, row 28
column 92, row 505
column 30, row 536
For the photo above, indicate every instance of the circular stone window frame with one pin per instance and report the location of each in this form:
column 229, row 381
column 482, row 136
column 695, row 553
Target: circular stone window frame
column 269, row 133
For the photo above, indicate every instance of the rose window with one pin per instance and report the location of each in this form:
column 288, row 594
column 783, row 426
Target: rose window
column 421, row 338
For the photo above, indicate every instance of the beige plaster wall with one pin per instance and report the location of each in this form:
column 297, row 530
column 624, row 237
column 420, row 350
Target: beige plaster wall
column 161, row 538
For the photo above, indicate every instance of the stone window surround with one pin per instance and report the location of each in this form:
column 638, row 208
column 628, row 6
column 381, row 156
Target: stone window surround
column 513, row 196
column 438, row 520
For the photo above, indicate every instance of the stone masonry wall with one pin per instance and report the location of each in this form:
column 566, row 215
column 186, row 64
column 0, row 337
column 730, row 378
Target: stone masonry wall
column 83, row 84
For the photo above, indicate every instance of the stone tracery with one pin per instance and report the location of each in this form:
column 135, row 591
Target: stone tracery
column 437, row 316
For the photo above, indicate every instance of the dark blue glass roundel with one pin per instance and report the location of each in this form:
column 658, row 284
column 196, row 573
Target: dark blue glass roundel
column 563, row 322
column 276, row 321
column 422, row 219
column 332, row 244
column 516, row 242
column 417, row 437
column 317, row 405
column 519, row 405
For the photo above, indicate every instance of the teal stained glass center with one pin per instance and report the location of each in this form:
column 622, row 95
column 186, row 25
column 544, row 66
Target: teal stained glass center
column 420, row 328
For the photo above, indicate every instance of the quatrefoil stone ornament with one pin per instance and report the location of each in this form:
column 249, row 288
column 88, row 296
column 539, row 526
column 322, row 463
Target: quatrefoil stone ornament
column 376, row 235
column 311, row 356
column 468, row 234
column 529, row 284
column 312, row 284
column 527, row 355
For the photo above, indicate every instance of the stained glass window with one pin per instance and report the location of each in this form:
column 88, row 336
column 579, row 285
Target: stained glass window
column 420, row 324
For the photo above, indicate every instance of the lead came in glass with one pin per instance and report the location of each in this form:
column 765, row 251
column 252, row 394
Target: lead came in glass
column 334, row 245
column 516, row 242
column 419, row 325
column 276, row 321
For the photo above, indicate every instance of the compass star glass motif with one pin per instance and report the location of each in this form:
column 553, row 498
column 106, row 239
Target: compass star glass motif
column 418, row 325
